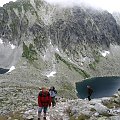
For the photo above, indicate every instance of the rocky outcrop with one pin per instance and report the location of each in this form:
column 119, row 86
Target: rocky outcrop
column 64, row 26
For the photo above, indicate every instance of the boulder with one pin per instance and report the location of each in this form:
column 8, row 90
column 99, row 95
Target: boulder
column 115, row 118
column 101, row 109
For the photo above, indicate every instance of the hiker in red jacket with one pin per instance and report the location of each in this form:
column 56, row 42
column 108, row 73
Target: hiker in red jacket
column 44, row 100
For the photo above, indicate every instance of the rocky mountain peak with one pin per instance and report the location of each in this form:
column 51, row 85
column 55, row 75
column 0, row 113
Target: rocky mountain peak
column 57, row 46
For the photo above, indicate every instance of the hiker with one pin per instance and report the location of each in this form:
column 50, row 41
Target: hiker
column 53, row 94
column 44, row 100
column 89, row 91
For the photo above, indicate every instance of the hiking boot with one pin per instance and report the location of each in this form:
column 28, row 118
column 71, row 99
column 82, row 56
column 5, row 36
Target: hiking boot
column 44, row 118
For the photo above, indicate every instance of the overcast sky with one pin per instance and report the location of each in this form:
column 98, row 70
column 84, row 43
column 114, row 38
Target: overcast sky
column 2, row 2
column 110, row 5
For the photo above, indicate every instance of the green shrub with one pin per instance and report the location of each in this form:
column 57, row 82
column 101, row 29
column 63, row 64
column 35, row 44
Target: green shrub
column 29, row 52
column 82, row 117
column 92, row 65
column 92, row 109
column 72, row 66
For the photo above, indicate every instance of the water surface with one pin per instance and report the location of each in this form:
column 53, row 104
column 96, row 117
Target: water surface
column 102, row 87
column 2, row 70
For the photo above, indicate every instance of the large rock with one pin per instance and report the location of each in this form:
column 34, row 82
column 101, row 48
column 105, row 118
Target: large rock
column 115, row 117
column 101, row 109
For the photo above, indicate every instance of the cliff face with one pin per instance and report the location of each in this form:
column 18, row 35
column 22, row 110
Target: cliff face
column 39, row 21
column 71, row 29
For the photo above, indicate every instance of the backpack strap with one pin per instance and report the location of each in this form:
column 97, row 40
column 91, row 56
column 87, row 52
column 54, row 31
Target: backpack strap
column 44, row 94
column 40, row 93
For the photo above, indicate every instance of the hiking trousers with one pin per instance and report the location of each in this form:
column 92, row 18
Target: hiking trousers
column 53, row 101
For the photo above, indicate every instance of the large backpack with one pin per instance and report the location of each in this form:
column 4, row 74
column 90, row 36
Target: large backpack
column 44, row 94
column 44, row 98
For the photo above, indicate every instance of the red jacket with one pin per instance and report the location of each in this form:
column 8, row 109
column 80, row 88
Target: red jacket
column 44, row 99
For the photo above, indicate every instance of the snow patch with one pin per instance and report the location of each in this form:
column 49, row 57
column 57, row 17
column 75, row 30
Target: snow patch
column 70, row 60
column 81, row 64
column 50, row 42
column 11, row 69
column 51, row 74
column 85, row 59
column 1, row 41
column 105, row 53
column 57, row 49
column 12, row 46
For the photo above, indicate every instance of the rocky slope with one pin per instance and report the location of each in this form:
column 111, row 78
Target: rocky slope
column 78, row 109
